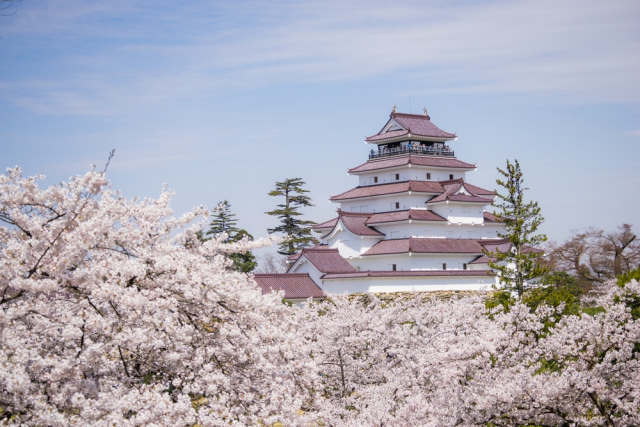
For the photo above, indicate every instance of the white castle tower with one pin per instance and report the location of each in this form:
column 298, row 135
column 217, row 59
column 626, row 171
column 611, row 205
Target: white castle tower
column 413, row 223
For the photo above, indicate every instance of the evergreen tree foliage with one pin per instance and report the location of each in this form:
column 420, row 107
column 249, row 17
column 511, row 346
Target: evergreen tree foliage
column 225, row 222
column 296, row 230
column 244, row 262
column 519, row 266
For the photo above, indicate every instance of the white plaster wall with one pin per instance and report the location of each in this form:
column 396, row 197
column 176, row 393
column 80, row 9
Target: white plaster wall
column 435, row 229
column 404, row 262
column 417, row 284
column 458, row 213
column 406, row 173
column 385, row 204
column 306, row 267
column 350, row 245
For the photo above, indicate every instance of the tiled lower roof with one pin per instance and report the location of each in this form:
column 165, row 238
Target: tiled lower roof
column 413, row 214
column 425, row 245
column 356, row 223
column 418, row 160
column 327, row 224
column 317, row 247
column 327, row 260
column 400, row 274
column 430, row 187
column 294, row 285
column 489, row 217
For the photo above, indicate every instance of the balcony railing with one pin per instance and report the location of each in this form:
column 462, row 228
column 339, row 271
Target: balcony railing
column 428, row 151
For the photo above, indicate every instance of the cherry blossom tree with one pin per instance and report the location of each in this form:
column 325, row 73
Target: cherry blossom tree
column 112, row 312
column 452, row 363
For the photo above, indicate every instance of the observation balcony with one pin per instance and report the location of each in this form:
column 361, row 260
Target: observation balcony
column 401, row 151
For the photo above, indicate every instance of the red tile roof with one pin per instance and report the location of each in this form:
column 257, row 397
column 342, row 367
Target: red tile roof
column 478, row 191
column 450, row 191
column 425, row 245
column 327, row 260
column 356, row 223
column 496, row 245
column 429, row 187
column 489, row 217
column 421, row 273
column 482, row 259
column 419, row 125
column 294, row 285
column 317, row 247
column 442, row 162
column 413, row 214
column 327, row 224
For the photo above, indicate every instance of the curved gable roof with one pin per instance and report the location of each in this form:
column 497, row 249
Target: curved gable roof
column 293, row 285
column 418, row 160
column 414, row 124
column 327, row 260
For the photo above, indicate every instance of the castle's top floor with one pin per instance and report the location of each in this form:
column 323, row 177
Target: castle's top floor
column 410, row 134
column 410, row 127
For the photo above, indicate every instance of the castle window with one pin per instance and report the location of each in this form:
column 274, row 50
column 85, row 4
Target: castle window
column 397, row 205
column 397, row 177
column 451, row 176
column 375, row 179
column 444, row 265
column 428, row 175
column 464, row 266
column 393, row 267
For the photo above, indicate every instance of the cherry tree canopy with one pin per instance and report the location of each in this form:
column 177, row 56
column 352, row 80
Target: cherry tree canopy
column 114, row 313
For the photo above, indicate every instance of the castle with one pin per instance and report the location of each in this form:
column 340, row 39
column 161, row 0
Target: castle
column 413, row 223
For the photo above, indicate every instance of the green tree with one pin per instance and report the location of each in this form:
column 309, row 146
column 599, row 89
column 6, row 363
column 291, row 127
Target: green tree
column 518, row 267
column 244, row 262
column 297, row 231
column 224, row 222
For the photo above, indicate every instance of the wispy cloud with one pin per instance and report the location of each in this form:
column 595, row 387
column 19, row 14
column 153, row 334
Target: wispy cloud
column 635, row 132
column 117, row 57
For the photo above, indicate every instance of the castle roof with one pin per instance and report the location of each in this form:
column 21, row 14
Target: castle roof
column 428, row 187
column 327, row 260
column 415, row 126
column 356, row 223
column 417, row 160
column 398, row 216
column 489, row 217
column 453, row 190
column 425, row 245
column 295, row 286
column 327, row 224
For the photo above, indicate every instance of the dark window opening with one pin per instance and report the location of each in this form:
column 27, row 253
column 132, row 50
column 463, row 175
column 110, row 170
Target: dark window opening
column 444, row 265
column 393, row 267
column 428, row 175
column 397, row 205
column 397, row 177
column 464, row 266
column 375, row 179
column 450, row 176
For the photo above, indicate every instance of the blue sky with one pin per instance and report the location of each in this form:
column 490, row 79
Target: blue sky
column 222, row 99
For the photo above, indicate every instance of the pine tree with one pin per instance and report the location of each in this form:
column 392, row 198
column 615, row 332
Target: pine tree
column 244, row 262
column 519, row 266
column 298, row 231
column 224, row 222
